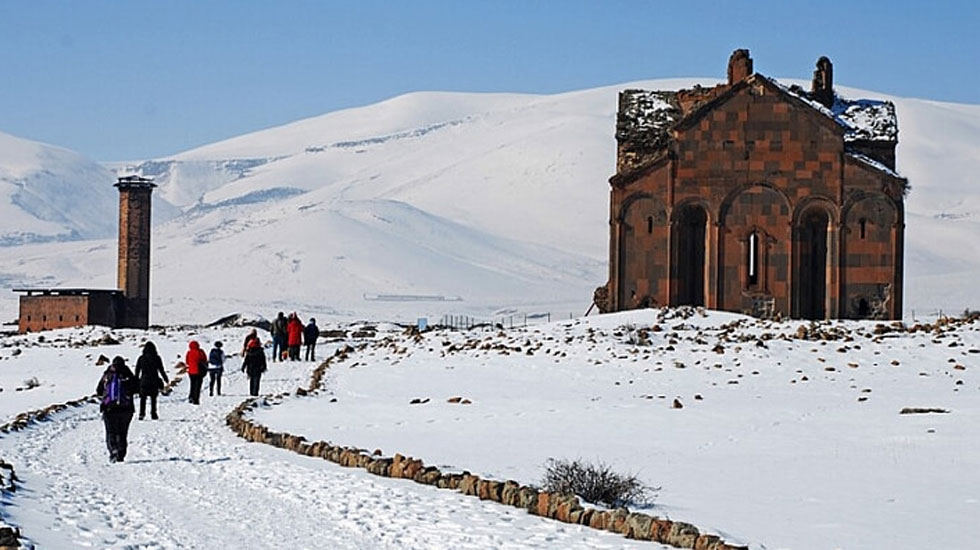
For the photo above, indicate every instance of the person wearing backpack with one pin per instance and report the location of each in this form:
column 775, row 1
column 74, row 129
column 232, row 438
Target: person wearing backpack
column 197, row 369
column 252, row 335
column 115, row 391
column 310, row 335
column 254, row 365
column 152, row 377
column 216, row 366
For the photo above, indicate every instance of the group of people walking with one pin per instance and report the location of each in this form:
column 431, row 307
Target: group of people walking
column 288, row 334
column 119, row 385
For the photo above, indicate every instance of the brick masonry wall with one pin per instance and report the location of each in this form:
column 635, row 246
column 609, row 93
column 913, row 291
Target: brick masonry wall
column 50, row 312
column 134, row 255
column 758, row 161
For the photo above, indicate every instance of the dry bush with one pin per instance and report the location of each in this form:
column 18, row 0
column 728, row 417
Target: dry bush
column 596, row 483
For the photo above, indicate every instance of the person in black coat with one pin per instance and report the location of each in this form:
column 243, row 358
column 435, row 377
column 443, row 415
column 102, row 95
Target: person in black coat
column 254, row 365
column 115, row 390
column 152, row 377
column 310, row 334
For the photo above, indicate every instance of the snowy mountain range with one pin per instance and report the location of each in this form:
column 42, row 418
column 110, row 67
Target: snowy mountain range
column 475, row 203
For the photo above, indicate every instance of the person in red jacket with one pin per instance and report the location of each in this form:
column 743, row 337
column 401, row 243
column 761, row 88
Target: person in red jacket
column 197, row 368
column 294, row 330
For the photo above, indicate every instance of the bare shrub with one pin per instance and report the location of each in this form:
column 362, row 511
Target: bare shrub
column 596, row 483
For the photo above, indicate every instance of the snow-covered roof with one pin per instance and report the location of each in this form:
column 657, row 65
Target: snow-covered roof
column 646, row 114
column 873, row 163
column 862, row 119
column 868, row 119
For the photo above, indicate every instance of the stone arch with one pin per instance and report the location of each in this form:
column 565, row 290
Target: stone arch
column 885, row 211
column 871, row 224
column 755, row 222
column 642, row 251
column 734, row 194
column 688, row 252
column 813, row 230
column 817, row 201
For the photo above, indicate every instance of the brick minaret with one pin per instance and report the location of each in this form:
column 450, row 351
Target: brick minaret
column 134, row 250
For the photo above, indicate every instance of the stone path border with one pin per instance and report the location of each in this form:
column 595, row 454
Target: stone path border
column 564, row 508
column 10, row 536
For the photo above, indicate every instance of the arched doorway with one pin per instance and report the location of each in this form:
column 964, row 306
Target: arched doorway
column 690, row 226
column 811, row 288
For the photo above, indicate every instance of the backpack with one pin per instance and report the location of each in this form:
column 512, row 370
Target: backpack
column 115, row 394
column 216, row 358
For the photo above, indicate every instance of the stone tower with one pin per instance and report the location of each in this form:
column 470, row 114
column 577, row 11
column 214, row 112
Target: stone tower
column 134, row 250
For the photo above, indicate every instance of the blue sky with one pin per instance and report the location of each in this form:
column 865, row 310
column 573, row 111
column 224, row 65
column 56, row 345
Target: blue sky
column 132, row 80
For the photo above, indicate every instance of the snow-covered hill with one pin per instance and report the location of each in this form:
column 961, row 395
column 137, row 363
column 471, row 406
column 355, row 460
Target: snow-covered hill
column 498, row 199
column 48, row 193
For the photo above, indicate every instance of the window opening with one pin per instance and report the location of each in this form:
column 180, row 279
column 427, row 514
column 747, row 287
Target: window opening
column 753, row 258
column 650, row 224
column 863, row 223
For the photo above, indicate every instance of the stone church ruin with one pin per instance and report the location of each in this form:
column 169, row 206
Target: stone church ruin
column 757, row 197
column 127, row 307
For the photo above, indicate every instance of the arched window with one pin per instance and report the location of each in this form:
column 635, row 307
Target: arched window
column 752, row 260
column 864, row 223
column 649, row 224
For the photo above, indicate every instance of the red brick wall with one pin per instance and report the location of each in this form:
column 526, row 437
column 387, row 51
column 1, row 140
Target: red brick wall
column 49, row 312
column 134, row 255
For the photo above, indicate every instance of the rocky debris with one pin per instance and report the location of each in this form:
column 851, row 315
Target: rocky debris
column 564, row 508
column 419, row 401
column 102, row 360
column 677, row 404
column 239, row 320
column 9, row 538
column 106, row 340
column 921, row 410
column 29, row 384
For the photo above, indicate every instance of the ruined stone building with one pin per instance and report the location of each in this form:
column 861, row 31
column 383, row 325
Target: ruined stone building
column 127, row 307
column 756, row 197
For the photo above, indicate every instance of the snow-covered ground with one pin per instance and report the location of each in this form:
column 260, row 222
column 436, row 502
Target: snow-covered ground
column 781, row 443
column 188, row 482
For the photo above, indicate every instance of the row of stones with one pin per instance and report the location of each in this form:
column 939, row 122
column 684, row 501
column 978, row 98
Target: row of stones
column 10, row 536
column 564, row 508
